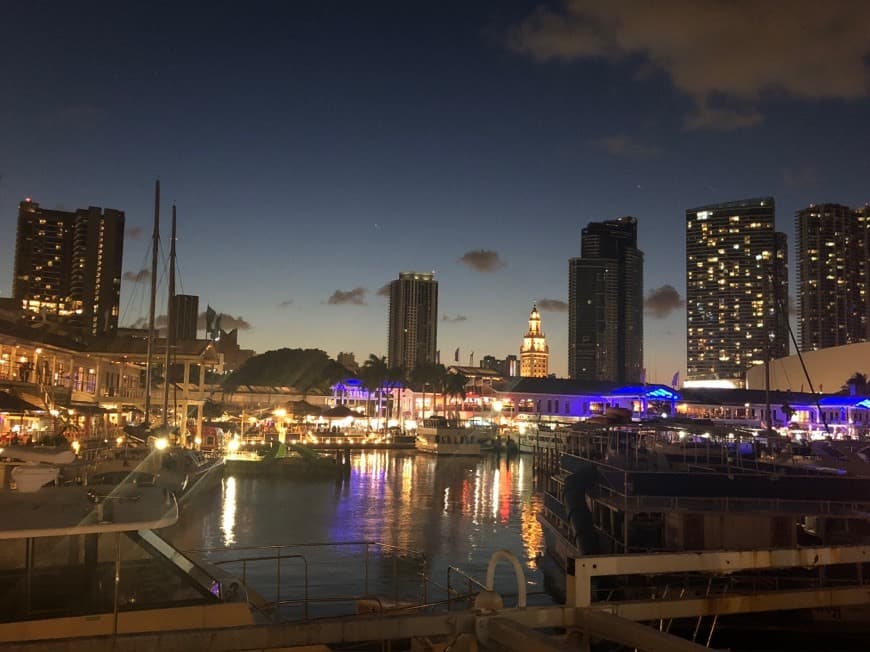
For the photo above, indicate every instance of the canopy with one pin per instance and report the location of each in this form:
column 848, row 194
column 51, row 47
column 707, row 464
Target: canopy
column 12, row 404
column 302, row 408
column 339, row 412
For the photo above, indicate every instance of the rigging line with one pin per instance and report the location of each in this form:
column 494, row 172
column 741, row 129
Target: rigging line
column 139, row 287
column 815, row 394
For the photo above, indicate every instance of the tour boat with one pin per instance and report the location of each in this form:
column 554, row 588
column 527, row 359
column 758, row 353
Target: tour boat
column 441, row 436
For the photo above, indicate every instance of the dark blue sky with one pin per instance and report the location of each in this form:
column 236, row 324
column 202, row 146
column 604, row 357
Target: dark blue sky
column 315, row 147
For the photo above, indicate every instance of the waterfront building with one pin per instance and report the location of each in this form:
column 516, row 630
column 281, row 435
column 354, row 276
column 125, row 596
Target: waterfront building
column 93, row 383
column 413, row 320
column 605, row 304
column 831, row 260
column 534, row 352
column 68, row 265
column 186, row 313
column 736, row 291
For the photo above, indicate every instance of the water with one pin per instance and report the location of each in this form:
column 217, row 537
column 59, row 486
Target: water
column 454, row 511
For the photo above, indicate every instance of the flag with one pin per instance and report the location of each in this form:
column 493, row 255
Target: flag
column 675, row 381
column 210, row 314
column 643, row 376
column 456, row 355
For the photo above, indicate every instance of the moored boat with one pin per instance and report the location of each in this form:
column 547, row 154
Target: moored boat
column 441, row 436
column 619, row 495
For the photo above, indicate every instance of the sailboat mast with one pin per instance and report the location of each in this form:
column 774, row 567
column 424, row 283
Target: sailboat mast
column 155, row 239
column 170, row 321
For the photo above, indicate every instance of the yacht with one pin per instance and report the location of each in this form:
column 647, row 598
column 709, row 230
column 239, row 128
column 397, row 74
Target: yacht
column 615, row 493
column 449, row 437
column 83, row 561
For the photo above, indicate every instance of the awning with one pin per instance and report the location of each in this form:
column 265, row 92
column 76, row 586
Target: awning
column 87, row 409
column 12, row 404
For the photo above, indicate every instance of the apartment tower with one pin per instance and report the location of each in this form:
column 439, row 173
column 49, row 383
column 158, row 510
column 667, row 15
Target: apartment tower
column 736, row 290
column 68, row 265
column 413, row 321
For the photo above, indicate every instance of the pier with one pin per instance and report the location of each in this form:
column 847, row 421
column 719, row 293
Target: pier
column 489, row 624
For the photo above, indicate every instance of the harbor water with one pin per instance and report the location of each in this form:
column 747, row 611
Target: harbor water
column 438, row 517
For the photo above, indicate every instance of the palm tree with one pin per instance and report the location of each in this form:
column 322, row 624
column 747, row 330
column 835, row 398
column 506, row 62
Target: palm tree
column 397, row 377
column 427, row 373
column 374, row 376
column 454, row 387
column 857, row 383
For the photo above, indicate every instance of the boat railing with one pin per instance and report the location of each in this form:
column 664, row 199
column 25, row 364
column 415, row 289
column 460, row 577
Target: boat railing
column 732, row 504
column 470, row 582
column 279, row 578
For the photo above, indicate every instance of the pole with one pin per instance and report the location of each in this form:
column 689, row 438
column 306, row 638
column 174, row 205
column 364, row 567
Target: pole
column 155, row 237
column 170, row 323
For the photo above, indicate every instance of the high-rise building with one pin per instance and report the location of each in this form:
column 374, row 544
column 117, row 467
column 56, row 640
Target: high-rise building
column 736, row 290
column 185, row 309
column 605, row 304
column 862, row 215
column 68, row 265
column 831, row 259
column 413, row 326
column 534, row 352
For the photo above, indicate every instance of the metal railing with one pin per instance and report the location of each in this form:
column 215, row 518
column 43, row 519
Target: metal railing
column 247, row 560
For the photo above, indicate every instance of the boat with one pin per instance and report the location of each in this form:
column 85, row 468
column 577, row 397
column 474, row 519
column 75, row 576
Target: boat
column 159, row 458
column 285, row 460
column 442, row 436
column 537, row 438
column 617, row 494
column 86, row 561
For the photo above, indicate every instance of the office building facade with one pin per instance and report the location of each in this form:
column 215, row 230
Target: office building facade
column 68, row 265
column 534, row 352
column 413, row 320
column 605, row 304
column 736, row 290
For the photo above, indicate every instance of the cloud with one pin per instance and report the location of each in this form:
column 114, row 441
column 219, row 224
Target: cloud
column 356, row 297
column 553, row 305
column 483, row 260
column 662, row 301
column 384, row 290
column 137, row 277
column 228, row 322
column 286, row 303
column 721, row 119
column 133, row 232
column 714, row 52
column 625, row 146
column 453, row 320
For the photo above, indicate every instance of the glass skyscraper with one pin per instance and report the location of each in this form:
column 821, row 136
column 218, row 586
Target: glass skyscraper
column 605, row 304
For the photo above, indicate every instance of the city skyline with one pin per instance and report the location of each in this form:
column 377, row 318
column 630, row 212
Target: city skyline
column 359, row 143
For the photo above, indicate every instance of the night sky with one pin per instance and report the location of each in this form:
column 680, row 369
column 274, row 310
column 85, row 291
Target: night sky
column 317, row 149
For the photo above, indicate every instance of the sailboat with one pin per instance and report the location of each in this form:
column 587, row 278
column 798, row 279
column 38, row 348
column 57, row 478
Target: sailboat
column 169, row 462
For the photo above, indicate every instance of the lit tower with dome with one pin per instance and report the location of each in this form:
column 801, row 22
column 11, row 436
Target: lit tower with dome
column 534, row 353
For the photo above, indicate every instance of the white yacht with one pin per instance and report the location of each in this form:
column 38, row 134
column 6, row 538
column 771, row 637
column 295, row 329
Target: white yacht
column 84, row 561
column 449, row 437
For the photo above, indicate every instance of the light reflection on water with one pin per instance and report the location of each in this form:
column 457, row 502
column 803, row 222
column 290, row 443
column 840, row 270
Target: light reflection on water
column 228, row 512
column 456, row 511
